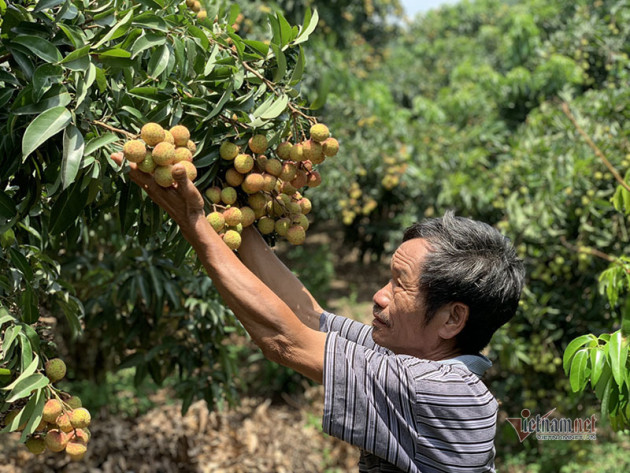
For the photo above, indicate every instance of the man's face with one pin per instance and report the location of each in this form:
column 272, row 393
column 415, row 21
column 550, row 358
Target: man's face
column 399, row 311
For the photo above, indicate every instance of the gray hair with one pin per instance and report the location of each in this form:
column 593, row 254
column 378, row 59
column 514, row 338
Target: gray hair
column 469, row 262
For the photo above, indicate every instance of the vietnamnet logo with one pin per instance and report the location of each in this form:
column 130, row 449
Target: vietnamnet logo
column 547, row 428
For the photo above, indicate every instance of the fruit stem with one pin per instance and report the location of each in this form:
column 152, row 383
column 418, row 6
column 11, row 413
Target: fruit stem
column 116, row 130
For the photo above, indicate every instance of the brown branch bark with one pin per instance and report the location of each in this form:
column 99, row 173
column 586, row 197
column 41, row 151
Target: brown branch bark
column 594, row 147
column 115, row 130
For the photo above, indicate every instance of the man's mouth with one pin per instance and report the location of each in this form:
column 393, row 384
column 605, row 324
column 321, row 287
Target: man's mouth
column 378, row 320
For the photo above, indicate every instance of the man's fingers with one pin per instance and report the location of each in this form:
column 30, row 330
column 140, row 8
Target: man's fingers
column 186, row 188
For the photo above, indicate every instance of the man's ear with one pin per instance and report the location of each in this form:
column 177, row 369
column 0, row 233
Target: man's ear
column 457, row 316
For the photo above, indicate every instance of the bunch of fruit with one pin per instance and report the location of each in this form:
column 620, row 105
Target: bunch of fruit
column 159, row 149
column 64, row 423
column 197, row 7
column 263, row 186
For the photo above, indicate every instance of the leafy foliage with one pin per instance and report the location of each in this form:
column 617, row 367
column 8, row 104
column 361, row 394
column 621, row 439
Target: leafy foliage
column 76, row 79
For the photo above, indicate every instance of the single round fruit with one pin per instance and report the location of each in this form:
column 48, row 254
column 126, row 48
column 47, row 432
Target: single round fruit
column 282, row 226
column 74, row 402
column 257, row 201
column 233, row 177
column 314, row 179
column 80, row 436
column 319, row 132
column 289, row 170
column 300, row 179
column 232, row 239
column 269, row 182
column 233, row 216
column 228, row 195
column 228, row 150
column 196, row 7
column 305, row 205
column 152, row 134
column 301, row 220
column 182, row 154
column 266, row 225
column 243, row 163
column 253, row 183
column 190, row 3
column 330, row 147
column 288, row 188
column 181, row 135
column 216, row 221
column 191, row 170
column 247, row 216
column 52, row 410
column 284, row 150
column 213, row 194
column 273, row 167
column 55, row 369
column 258, row 144
column 202, row 15
column 163, row 175
column 80, row 417
column 76, row 450
column 36, row 445
column 134, row 151
column 163, row 154
column 313, row 151
column 63, row 422
column 168, row 137
column 56, row 440
column 192, row 147
column 147, row 165
column 296, row 235
column 297, row 152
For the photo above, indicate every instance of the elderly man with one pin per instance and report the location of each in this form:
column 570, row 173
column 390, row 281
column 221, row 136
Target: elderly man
column 407, row 389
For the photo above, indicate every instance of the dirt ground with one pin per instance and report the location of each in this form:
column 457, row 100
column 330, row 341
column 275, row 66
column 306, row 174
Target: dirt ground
column 255, row 437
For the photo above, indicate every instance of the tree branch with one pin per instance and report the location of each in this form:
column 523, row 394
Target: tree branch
column 593, row 146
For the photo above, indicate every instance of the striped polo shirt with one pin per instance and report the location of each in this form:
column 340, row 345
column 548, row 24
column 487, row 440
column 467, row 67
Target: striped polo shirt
column 405, row 413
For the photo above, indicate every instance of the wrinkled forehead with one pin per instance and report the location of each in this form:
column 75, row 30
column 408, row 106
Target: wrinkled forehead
column 410, row 255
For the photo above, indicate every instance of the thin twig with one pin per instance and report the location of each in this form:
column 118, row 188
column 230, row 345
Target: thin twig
column 593, row 146
column 115, row 130
column 590, row 251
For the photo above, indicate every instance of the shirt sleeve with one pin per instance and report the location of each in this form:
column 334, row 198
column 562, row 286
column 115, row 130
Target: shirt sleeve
column 368, row 400
column 350, row 330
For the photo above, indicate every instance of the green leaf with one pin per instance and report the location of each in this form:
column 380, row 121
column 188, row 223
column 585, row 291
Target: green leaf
column 573, row 347
column 41, row 47
column 296, row 76
column 579, row 370
column 44, row 77
column 67, row 209
column 7, row 206
column 618, row 357
column 76, row 54
column 33, row 411
column 73, row 145
column 159, row 61
column 60, row 100
column 309, row 25
column 146, row 41
column 47, row 5
column 74, row 34
column 32, row 367
column 598, row 359
column 99, row 142
column 21, row 263
column 282, row 63
column 625, row 319
column 151, row 21
column 45, row 125
column 29, row 303
column 10, row 335
column 5, row 96
column 122, row 25
column 28, row 384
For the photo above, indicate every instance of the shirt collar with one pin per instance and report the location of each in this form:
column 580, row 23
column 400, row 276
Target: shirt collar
column 477, row 364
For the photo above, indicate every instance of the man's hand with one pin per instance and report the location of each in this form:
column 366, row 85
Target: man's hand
column 183, row 202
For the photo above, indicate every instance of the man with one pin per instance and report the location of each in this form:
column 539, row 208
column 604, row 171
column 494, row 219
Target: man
column 407, row 389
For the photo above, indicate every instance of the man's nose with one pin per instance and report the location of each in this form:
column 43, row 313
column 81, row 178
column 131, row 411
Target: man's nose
column 382, row 297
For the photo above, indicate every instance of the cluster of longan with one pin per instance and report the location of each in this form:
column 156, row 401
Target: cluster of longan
column 166, row 148
column 64, row 423
column 197, row 7
column 263, row 186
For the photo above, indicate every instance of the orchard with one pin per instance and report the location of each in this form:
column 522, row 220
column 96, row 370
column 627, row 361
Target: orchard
column 350, row 122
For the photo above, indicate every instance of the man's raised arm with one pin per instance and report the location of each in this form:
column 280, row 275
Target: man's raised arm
column 264, row 263
column 270, row 322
